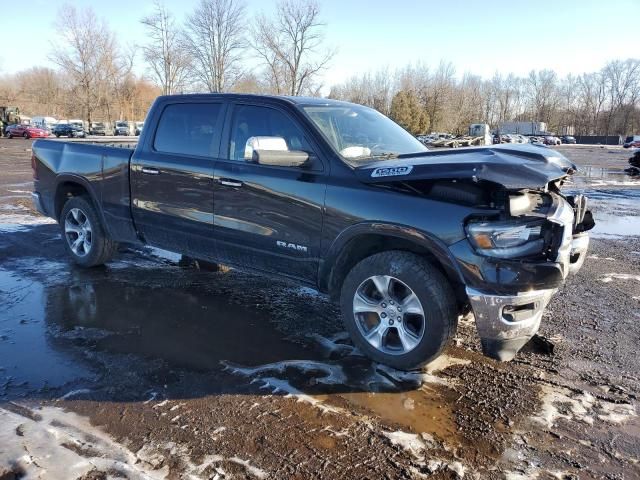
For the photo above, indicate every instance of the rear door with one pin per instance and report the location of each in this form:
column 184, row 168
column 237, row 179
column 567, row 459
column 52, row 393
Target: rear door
column 172, row 177
column 268, row 218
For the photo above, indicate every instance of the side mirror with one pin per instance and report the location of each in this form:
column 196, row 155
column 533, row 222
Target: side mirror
column 292, row 158
column 273, row 151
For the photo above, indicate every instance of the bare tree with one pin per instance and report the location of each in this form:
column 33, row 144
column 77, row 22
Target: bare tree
column 214, row 39
column 82, row 55
column 167, row 59
column 290, row 46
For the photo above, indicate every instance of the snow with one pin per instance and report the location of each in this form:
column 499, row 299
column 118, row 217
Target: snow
column 255, row 471
column 39, row 448
column 410, row 442
column 609, row 277
column 19, row 222
column 582, row 407
column 50, row 442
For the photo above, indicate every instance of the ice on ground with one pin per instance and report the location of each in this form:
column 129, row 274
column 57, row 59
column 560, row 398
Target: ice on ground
column 52, row 443
column 411, row 442
column 75, row 393
column 333, row 374
column 562, row 403
column 332, row 346
column 609, row 277
column 19, row 222
column 427, row 374
column 165, row 254
column 277, row 385
column 255, row 471
column 308, row 292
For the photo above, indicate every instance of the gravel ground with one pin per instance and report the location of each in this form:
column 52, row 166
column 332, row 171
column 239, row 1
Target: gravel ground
column 150, row 369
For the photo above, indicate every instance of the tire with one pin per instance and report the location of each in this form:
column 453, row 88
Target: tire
column 424, row 335
column 79, row 218
column 57, row 135
column 9, row 135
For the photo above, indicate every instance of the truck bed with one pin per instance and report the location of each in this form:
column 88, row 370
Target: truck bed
column 102, row 169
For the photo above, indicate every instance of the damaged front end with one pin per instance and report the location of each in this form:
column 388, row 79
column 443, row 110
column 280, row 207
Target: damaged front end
column 507, row 321
column 522, row 238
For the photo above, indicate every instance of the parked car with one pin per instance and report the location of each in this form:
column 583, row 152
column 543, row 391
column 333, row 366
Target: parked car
column 121, row 128
column 536, row 140
column 632, row 141
column 551, row 140
column 97, row 128
column 26, row 131
column 139, row 126
column 568, row 139
column 45, row 123
column 337, row 196
column 68, row 130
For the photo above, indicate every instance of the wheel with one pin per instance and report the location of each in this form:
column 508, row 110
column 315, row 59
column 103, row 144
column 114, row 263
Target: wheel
column 84, row 237
column 9, row 135
column 399, row 309
column 57, row 135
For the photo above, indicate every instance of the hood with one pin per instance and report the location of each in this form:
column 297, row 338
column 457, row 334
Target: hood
column 512, row 166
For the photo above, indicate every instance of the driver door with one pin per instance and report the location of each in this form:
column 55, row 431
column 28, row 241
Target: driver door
column 267, row 217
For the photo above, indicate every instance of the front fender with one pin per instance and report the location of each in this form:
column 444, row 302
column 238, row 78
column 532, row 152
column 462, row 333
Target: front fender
column 422, row 239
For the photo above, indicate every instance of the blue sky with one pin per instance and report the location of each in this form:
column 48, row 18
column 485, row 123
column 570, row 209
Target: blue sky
column 479, row 37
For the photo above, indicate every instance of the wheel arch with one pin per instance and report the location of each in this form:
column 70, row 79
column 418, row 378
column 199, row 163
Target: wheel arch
column 68, row 186
column 362, row 240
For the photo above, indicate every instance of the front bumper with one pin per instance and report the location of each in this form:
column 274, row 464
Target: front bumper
column 506, row 322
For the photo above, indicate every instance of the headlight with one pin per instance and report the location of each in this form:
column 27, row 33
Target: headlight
column 507, row 239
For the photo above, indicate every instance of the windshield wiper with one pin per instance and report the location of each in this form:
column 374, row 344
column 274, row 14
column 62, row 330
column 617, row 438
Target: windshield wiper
column 385, row 155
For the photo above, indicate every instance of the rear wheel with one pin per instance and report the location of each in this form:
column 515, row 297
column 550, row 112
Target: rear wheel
column 84, row 236
column 25, row 135
column 399, row 309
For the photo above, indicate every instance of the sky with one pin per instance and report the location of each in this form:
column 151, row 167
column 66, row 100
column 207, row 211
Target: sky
column 481, row 37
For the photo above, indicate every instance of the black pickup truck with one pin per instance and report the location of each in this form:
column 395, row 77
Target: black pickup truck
column 339, row 197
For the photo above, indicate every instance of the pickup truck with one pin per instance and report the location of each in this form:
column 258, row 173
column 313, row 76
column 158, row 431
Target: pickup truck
column 339, row 197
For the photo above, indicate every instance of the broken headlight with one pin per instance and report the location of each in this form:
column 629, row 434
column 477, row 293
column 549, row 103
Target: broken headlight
column 507, row 239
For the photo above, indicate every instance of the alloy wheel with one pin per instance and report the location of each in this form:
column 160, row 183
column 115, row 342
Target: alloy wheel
column 389, row 315
column 77, row 229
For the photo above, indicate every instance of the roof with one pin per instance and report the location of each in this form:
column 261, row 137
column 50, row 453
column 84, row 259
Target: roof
column 297, row 100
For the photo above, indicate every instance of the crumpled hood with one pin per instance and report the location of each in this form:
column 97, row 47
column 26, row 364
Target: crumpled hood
column 512, row 166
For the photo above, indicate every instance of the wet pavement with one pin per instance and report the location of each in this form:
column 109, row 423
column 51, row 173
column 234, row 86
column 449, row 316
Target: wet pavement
column 149, row 369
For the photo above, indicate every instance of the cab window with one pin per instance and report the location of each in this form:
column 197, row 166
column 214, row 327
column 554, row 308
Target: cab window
column 189, row 129
column 253, row 121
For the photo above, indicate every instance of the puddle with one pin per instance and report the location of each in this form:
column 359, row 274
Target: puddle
column 42, row 322
column 30, row 359
column 616, row 211
column 427, row 410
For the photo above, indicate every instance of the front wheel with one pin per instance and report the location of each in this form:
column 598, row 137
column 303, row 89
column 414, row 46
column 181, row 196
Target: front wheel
column 399, row 309
column 84, row 236
column 26, row 136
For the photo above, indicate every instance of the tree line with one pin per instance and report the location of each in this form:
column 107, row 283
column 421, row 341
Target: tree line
column 424, row 100
column 218, row 47
column 209, row 51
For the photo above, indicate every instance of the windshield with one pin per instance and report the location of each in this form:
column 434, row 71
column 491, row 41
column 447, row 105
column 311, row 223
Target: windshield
column 360, row 134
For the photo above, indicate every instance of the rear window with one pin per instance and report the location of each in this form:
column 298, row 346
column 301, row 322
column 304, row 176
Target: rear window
column 189, row 129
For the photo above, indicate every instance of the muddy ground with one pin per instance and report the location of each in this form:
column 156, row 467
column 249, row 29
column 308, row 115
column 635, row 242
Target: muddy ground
column 149, row 369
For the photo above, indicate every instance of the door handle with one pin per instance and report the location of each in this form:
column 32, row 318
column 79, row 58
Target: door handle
column 230, row 183
column 150, row 171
